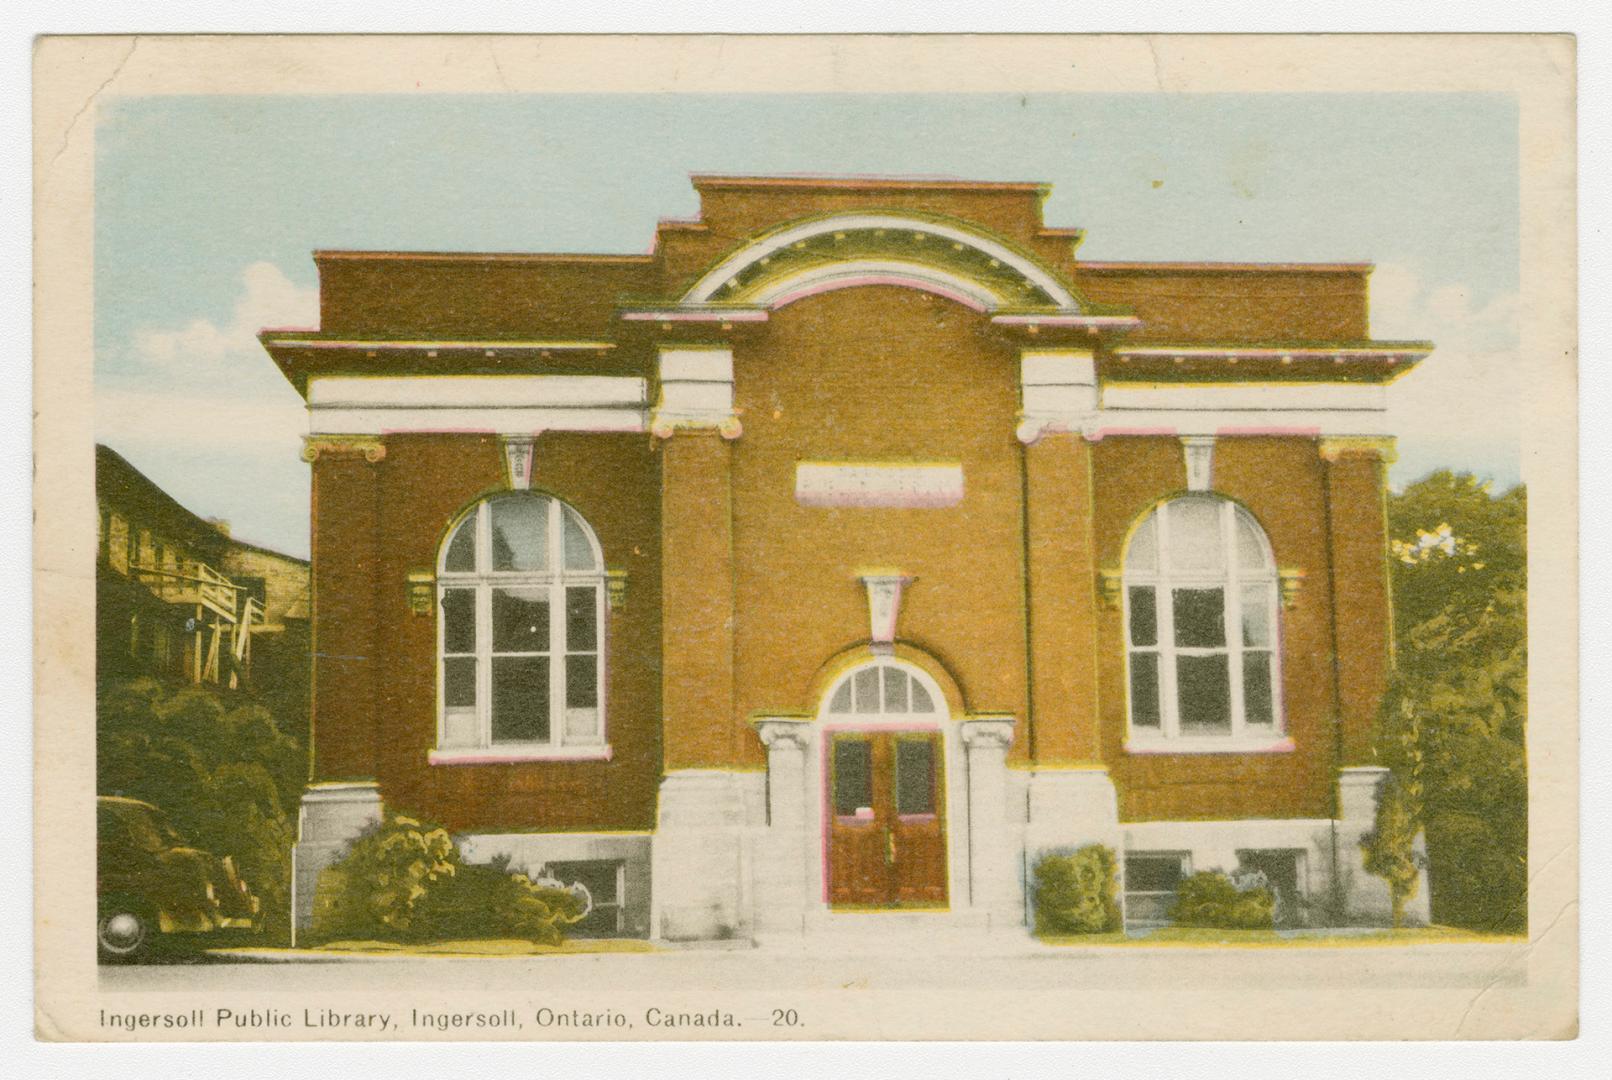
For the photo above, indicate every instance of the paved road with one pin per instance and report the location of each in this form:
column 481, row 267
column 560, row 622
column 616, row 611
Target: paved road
column 1441, row 965
column 1417, row 991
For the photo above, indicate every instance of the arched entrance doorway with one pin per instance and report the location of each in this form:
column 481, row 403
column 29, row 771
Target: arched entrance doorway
column 885, row 795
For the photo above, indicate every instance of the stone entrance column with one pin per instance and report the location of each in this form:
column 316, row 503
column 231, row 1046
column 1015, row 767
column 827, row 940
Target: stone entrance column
column 993, row 872
column 782, row 862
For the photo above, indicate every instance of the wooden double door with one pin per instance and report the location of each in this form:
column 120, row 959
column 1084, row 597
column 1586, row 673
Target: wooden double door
column 886, row 819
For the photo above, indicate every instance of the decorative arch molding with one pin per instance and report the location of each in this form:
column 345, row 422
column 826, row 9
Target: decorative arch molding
column 936, row 255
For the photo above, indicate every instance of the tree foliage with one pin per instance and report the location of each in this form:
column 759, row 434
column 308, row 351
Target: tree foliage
column 225, row 772
column 1455, row 717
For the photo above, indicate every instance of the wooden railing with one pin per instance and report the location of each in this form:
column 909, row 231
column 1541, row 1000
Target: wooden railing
column 236, row 612
column 192, row 583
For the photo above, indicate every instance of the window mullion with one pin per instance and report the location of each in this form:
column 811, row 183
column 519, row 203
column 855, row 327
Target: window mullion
column 1164, row 612
column 1234, row 616
column 557, row 614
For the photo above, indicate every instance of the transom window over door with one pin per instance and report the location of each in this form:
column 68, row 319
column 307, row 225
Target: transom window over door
column 520, row 589
column 881, row 689
column 1200, row 624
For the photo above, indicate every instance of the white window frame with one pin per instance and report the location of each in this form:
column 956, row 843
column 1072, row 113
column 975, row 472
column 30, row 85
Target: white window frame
column 1230, row 579
column 936, row 712
column 556, row 579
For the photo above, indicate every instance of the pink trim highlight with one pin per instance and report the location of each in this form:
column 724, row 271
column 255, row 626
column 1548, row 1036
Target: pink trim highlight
column 437, row 757
column 1067, row 320
column 694, row 316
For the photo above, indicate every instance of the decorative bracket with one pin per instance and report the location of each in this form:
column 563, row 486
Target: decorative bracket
column 1112, row 583
column 1289, row 583
column 616, row 589
column 421, row 589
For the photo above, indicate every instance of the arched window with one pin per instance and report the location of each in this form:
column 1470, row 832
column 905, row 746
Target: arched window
column 1200, row 624
column 520, row 588
column 882, row 689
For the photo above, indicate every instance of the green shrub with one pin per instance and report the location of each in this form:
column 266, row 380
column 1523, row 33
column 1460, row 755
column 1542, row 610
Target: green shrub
column 221, row 767
column 1077, row 892
column 407, row 881
column 1211, row 899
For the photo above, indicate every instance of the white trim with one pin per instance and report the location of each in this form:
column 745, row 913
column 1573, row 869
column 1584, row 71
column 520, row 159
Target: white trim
column 837, row 275
column 1308, row 423
column 1213, row 397
column 874, row 484
column 505, row 753
column 715, row 279
column 1231, row 745
column 713, row 364
column 493, row 421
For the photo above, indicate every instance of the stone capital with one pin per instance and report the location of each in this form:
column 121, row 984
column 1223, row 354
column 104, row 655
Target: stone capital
column 784, row 732
column 1380, row 446
column 988, row 732
column 370, row 446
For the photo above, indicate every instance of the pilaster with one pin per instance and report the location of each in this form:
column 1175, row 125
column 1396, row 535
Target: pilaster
column 344, row 595
column 695, row 418
column 1059, row 395
column 1362, row 618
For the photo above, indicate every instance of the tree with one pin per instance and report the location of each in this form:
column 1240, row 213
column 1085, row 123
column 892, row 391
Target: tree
column 1454, row 721
column 223, row 770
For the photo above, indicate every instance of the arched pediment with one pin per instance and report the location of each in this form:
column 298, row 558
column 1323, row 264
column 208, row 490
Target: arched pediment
column 935, row 255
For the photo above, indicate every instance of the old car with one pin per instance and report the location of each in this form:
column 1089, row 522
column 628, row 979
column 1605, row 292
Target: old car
column 154, row 888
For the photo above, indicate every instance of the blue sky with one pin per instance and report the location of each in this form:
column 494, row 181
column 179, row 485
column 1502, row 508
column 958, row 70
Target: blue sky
column 207, row 210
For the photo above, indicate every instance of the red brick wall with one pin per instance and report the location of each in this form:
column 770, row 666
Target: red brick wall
column 1280, row 482
column 421, row 486
column 879, row 374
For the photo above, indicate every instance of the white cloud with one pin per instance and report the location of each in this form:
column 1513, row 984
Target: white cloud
column 267, row 299
column 1460, row 408
column 203, row 411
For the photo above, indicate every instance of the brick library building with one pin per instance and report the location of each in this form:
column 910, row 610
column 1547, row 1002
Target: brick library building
column 845, row 554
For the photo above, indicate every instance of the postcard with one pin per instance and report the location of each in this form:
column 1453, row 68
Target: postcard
column 802, row 538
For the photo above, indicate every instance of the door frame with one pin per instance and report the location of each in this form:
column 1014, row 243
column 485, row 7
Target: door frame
column 953, row 764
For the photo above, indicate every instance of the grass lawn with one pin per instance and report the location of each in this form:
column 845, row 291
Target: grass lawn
column 1195, row 935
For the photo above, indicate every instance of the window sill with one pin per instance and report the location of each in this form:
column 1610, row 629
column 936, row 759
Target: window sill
column 1262, row 745
column 509, row 755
